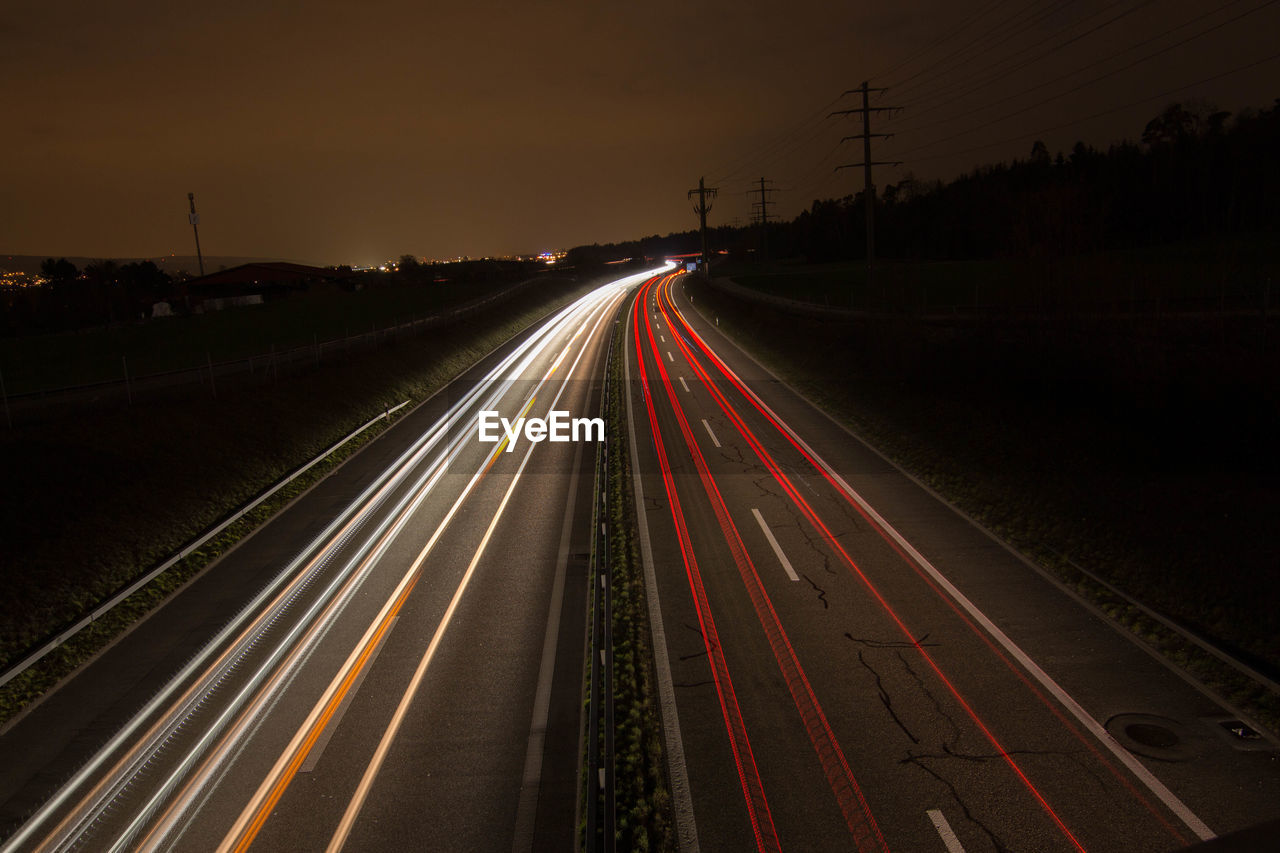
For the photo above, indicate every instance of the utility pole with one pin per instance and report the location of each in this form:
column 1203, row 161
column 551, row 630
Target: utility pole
column 762, row 206
column 702, row 207
column 194, row 219
column 868, row 188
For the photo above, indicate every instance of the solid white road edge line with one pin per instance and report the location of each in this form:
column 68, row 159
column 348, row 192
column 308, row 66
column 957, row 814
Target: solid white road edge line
column 1158, row 788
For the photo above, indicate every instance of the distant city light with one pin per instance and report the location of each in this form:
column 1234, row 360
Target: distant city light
column 15, row 280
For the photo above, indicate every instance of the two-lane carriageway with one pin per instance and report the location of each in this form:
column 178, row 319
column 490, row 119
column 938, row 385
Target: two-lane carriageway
column 856, row 667
column 394, row 663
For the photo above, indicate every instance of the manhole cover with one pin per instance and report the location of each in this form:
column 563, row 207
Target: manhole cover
column 1241, row 735
column 1153, row 736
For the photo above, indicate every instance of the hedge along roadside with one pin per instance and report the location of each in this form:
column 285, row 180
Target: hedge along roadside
column 107, row 606
column 642, row 794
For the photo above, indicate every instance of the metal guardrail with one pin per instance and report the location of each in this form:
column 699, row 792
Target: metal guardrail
column 102, row 609
column 601, row 833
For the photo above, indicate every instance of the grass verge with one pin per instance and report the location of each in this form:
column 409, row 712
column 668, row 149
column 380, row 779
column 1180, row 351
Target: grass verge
column 107, row 495
column 642, row 798
column 1224, row 273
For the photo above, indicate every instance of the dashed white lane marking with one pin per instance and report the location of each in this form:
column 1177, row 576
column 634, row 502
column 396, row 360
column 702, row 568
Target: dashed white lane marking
column 777, row 549
column 1162, row 792
column 945, row 830
column 670, row 357
column 714, row 440
column 683, row 383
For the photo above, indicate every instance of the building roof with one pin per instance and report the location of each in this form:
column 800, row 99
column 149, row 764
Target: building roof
column 271, row 272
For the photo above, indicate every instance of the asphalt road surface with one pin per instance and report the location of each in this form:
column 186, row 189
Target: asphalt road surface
column 395, row 662
column 854, row 666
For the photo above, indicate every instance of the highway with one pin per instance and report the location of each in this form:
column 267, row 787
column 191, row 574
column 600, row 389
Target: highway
column 393, row 663
column 853, row 666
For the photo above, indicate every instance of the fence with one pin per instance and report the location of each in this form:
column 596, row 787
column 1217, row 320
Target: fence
column 266, row 366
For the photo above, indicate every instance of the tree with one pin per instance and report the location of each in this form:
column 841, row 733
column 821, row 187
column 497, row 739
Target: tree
column 1174, row 124
column 59, row 270
column 144, row 284
column 103, row 295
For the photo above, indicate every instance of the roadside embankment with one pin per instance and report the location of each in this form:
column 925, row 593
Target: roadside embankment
column 96, row 500
column 1131, row 453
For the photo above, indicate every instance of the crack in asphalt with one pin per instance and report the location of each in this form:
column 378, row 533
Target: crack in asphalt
column 818, row 542
column 918, row 761
column 822, row 593
column 695, row 629
column 933, row 699
column 733, row 454
column 814, row 544
column 761, row 483
column 892, row 644
column 885, row 699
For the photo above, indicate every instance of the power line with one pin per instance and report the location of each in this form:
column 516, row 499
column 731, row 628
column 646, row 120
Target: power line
column 1066, row 76
column 1130, row 105
column 998, row 31
column 819, row 175
column 949, row 34
column 751, row 160
column 949, row 92
column 1090, row 81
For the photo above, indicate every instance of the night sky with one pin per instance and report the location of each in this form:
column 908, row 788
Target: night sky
column 341, row 132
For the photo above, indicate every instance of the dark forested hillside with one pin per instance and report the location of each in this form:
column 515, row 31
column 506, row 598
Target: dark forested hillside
column 1193, row 174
